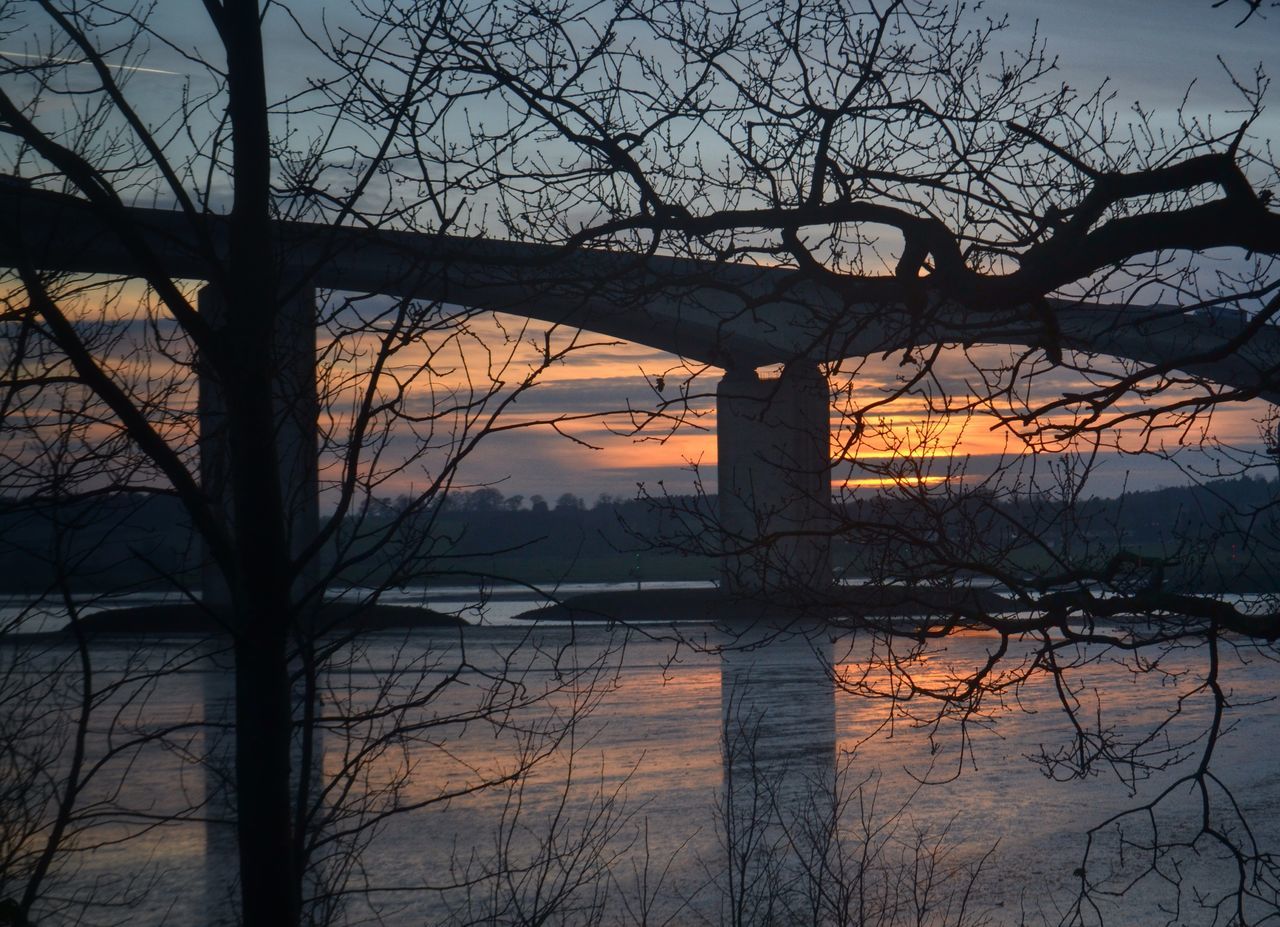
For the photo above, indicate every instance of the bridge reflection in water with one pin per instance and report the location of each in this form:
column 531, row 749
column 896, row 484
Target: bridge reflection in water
column 778, row 703
column 734, row 806
column 778, row 810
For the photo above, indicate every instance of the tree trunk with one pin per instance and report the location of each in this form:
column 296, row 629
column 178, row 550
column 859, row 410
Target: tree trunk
column 260, row 592
column 268, row 884
column 261, row 622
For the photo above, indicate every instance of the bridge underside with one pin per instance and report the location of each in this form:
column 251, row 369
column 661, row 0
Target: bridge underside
column 728, row 315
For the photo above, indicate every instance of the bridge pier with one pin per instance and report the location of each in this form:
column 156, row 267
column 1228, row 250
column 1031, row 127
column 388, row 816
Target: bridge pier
column 297, row 434
column 774, row 472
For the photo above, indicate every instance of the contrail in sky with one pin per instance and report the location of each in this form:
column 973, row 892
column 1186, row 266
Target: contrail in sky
column 115, row 67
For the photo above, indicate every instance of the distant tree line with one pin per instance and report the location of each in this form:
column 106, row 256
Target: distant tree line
column 488, row 499
column 1215, row 537
column 1196, row 536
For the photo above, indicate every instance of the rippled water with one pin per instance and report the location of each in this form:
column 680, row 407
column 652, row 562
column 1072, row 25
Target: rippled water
column 641, row 798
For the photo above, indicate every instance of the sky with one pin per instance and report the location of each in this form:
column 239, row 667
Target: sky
column 1156, row 53
column 1148, row 52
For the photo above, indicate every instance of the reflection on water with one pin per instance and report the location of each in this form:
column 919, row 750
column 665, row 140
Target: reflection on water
column 220, row 881
column 685, row 782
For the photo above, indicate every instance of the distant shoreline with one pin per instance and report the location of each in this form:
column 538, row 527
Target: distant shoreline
column 692, row 603
column 700, row 605
column 193, row 618
column 712, row 605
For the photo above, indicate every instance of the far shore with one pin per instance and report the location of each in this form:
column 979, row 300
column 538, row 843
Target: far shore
column 694, row 604
column 712, row 605
column 688, row 603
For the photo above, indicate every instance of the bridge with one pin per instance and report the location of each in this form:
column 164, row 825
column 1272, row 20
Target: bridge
column 773, row 434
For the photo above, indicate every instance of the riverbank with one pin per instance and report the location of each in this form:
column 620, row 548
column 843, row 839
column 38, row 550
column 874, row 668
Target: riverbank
column 714, row 605
column 194, row 618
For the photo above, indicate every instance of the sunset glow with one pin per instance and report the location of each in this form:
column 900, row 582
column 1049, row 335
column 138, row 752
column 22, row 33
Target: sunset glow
column 605, row 415
column 877, row 482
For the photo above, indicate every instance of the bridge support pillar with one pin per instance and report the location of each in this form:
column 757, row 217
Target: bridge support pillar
column 773, row 438
column 297, row 411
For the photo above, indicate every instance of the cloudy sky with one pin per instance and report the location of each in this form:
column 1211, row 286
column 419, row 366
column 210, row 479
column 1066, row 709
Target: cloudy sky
column 1153, row 53
column 1157, row 53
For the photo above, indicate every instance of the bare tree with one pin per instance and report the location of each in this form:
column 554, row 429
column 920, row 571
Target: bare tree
column 100, row 399
column 826, row 847
column 931, row 190
column 926, row 189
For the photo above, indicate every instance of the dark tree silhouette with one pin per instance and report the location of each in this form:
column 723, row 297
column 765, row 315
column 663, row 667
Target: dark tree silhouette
column 99, row 400
column 933, row 188
column 940, row 192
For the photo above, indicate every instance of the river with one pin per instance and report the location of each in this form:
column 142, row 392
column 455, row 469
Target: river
column 659, row 775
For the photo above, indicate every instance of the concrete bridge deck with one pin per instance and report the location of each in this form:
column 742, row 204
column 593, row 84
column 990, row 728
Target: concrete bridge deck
column 728, row 315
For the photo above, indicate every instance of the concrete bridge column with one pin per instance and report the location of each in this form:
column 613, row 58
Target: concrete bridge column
column 773, row 438
column 297, row 410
